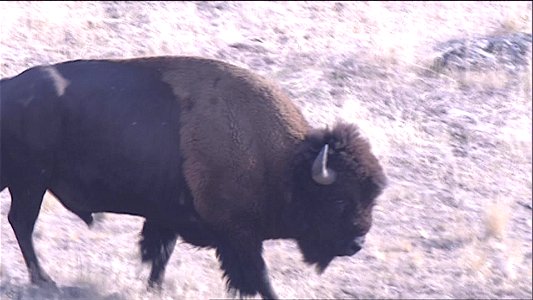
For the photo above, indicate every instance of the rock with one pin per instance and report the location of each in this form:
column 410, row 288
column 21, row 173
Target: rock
column 484, row 53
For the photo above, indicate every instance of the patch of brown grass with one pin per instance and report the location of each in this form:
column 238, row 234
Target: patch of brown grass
column 486, row 80
column 497, row 218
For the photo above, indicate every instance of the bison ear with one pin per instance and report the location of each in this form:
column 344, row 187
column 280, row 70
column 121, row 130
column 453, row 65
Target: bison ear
column 320, row 172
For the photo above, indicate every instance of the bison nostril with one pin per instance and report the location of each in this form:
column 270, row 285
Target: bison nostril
column 354, row 247
column 360, row 240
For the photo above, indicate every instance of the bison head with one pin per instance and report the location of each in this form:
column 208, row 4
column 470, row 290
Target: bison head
column 336, row 181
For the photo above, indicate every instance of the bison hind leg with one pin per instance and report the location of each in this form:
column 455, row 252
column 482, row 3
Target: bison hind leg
column 156, row 245
column 27, row 197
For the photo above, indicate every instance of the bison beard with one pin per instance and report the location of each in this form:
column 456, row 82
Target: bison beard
column 201, row 149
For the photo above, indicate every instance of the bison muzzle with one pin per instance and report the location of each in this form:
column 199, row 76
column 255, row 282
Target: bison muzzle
column 202, row 149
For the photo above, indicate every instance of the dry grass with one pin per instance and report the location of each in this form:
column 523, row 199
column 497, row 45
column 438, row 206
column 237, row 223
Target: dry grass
column 482, row 80
column 497, row 219
column 456, row 145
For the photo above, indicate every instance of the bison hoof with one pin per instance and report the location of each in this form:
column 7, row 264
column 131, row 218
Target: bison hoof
column 44, row 281
column 155, row 286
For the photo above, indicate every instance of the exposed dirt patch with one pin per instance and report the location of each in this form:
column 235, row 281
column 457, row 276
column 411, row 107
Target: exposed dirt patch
column 442, row 90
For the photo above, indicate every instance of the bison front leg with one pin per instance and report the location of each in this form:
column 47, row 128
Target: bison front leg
column 157, row 244
column 26, row 200
column 243, row 265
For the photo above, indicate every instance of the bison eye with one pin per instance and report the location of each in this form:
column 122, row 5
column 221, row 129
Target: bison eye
column 340, row 205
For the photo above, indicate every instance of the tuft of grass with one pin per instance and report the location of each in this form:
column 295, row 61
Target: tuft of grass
column 496, row 219
column 515, row 21
column 50, row 203
column 482, row 80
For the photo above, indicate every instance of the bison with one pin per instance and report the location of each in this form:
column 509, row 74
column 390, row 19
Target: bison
column 202, row 149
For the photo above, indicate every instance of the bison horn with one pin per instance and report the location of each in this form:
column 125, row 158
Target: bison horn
column 321, row 173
